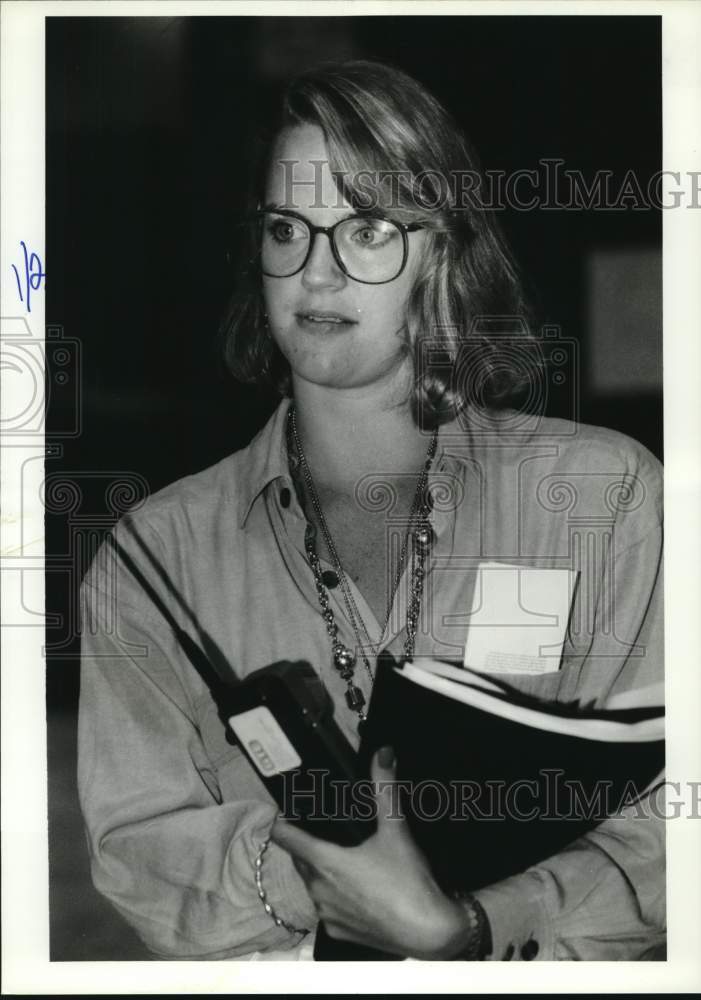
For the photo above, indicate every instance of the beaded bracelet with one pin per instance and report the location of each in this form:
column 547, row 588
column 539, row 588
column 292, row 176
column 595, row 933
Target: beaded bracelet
column 258, row 863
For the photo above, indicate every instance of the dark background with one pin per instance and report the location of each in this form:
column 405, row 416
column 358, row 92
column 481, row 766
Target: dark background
column 149, row 123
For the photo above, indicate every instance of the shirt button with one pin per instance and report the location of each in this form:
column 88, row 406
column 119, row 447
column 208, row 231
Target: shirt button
column 529, row 950
column 285, row 496
column 509, row 953
column 329, row 578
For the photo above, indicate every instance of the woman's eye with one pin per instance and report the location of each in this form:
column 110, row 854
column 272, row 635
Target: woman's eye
column 373, row 234
column 284, row 230
column 366, row 235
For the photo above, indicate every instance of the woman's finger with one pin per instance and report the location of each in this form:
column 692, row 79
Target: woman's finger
column 383, row 770
column 305, row 870
column 299, row 844
column 337, row 931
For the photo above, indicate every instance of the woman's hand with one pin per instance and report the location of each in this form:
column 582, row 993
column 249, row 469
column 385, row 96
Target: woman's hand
column 381, row 893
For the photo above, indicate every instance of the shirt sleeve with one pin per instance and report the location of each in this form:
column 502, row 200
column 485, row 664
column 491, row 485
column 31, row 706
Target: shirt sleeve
column 174, row 858
column 603, row 897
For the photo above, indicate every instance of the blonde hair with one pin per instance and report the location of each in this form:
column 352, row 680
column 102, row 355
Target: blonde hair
column 379, row 122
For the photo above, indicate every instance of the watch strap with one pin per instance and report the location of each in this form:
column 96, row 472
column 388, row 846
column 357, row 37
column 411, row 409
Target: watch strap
column 480, row 943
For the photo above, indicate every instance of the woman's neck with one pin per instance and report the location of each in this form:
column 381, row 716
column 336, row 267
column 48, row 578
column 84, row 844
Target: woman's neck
column 349, row 433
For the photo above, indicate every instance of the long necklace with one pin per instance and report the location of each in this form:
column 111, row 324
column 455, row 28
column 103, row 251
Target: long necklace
column 344, row 659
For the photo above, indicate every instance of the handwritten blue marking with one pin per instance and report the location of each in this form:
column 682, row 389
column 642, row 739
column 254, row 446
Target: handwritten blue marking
column 33, row 276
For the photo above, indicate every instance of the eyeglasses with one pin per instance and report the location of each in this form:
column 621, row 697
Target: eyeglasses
column 368, row 249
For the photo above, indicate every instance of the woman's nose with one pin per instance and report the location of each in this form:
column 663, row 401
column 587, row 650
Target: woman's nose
column 321, row 269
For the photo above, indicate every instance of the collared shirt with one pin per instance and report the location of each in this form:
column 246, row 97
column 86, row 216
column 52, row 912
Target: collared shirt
column 213, row 569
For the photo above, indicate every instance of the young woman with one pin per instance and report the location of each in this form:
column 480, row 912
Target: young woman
column 384, row 304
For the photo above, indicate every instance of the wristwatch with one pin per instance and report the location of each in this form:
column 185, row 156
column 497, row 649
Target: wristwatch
column 480, row 943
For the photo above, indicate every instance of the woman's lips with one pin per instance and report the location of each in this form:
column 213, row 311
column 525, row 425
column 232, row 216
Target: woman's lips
column 323, row 321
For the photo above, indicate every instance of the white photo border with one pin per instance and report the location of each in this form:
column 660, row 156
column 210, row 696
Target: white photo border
column 25, row 943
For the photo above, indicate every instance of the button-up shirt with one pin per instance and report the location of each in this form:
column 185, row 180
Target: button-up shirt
column 212, row 570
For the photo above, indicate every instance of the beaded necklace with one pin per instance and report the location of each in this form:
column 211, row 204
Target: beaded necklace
column 421, row 535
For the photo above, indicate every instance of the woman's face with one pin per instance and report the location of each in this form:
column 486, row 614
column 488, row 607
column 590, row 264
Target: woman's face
column 333, row 330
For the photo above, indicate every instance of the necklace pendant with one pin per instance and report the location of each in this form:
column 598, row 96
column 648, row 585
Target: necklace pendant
column 343, row 658
column 355, row 699
column 423, row 537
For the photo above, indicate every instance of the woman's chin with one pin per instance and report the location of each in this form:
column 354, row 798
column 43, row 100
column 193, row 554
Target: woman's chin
column 387, row 380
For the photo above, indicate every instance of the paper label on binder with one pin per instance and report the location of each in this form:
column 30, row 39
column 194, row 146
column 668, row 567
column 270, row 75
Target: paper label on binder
column 264, row 741
column 518, row 620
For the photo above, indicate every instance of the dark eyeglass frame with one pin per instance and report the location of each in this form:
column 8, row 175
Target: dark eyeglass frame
column 330, row 232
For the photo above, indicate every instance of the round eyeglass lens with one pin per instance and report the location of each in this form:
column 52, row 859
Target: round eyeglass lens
column 284, row 245
column 372, row 250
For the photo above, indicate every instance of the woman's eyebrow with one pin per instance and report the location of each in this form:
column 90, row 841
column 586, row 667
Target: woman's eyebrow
column 276, row 207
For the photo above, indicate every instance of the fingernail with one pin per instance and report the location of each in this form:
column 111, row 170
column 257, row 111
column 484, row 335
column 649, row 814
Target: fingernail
column 386, row 757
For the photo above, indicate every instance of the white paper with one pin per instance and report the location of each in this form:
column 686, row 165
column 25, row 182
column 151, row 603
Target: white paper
column 518, row 619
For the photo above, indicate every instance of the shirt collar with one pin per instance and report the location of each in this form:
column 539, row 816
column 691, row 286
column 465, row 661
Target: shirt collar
column 264, row 460
column 475, row 430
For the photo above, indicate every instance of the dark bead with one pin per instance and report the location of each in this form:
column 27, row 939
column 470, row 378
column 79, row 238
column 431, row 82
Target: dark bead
column 355, row 698
column 285, row 496
column 330, row 579
column 530, row 950
column 509, row 953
